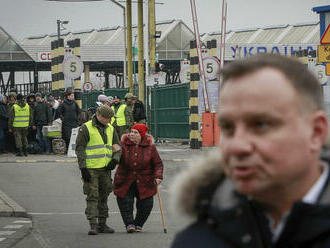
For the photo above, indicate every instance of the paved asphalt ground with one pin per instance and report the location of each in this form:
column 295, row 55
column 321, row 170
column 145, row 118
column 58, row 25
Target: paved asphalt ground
column 42, row 205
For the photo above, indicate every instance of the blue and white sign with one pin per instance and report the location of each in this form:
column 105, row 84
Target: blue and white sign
column 244, row 50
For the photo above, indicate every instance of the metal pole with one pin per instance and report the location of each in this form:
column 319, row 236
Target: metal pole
column 125, row 34
column 129, row 45
column 140, row 50
column 58, row 29
column 146, row 40
column 223, row 32
column 152, row 34
column 199, row 53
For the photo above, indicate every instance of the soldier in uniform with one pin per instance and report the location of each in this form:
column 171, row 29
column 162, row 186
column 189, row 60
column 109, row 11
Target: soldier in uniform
column 20, row 118
column 98, row 152
column 123, row 118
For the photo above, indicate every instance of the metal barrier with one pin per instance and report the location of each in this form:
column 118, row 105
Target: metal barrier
column 26, row 89
column 167, row 109
column 169, row 113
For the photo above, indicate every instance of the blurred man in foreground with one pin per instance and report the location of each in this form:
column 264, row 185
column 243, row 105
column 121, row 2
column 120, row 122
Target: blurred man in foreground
column 267, row 187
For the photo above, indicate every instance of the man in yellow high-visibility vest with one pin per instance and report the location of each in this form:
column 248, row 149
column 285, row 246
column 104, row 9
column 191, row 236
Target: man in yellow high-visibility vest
column 98, row 151
column 20, row 119
column 123, row 118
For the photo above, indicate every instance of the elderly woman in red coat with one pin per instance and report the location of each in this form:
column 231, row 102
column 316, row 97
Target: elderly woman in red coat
column 139, row 172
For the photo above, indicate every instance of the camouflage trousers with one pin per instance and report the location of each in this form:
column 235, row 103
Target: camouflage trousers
column 20, row 134
column 97, row 192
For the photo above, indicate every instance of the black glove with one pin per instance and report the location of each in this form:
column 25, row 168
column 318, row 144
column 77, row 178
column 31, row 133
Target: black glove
column 85, row 175
column 112, row 164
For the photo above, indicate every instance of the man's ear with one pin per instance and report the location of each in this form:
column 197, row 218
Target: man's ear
column 320, row 130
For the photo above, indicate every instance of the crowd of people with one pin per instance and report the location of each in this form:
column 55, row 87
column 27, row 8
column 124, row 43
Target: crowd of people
column 22, row 119
column 21, row 122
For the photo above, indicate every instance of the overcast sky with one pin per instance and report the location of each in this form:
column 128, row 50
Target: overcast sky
column 24, row 18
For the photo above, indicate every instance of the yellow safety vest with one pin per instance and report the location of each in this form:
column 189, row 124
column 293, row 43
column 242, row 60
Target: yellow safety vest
column 119, row 116
column 98, row 154
column 22, row 115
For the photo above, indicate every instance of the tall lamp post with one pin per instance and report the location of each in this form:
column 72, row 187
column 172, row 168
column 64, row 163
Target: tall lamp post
column 59, row 26
column 125, row 32
column 124, row 23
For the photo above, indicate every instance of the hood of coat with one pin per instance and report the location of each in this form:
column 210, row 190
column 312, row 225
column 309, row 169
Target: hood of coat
column 205, row 174
column 148, row 140
column 67, row 101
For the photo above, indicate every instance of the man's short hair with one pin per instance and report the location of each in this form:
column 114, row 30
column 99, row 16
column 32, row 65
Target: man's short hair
column 105, row 111
column 302, row 80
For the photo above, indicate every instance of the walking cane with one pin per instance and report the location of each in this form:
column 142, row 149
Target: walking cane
column 161, row 210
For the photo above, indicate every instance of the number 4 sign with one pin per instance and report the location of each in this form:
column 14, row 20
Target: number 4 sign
column 72, row 67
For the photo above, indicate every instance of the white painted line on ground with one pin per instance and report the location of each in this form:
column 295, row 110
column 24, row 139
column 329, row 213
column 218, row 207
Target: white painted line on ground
column 22, row 221
column 168, row 150
column 57, row 213
column 2, row 239
column 13, row 226
column 7, row 232
column 110, row 212
column 182, row 160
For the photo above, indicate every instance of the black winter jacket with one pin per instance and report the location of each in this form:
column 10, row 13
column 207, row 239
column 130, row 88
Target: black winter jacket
column 224, row 219
column 3, row 116
column 69, row 112
column 139, row 112
column 42, row 114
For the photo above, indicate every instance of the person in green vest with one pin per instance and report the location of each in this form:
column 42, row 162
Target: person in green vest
column 123, row 118
column 20, row 119
column 98, row 151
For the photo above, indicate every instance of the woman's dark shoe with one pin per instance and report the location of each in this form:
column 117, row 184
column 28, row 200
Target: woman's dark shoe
column 130, row 229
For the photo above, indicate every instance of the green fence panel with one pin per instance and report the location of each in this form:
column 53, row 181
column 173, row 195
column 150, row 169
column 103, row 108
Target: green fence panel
column 170, row 111
column 116, row 92
column 89, row 99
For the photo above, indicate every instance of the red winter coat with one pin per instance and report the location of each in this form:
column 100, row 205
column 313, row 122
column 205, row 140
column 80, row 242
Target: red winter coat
column 140, row 163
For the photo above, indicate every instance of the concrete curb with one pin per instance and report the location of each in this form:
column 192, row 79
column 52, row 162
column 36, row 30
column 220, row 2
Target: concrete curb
column 22, row 161
column 39, row 161
column 10, row 208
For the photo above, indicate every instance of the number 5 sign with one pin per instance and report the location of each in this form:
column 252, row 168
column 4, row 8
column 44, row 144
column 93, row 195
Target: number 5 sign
column 72, row 67
column 212, row 67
